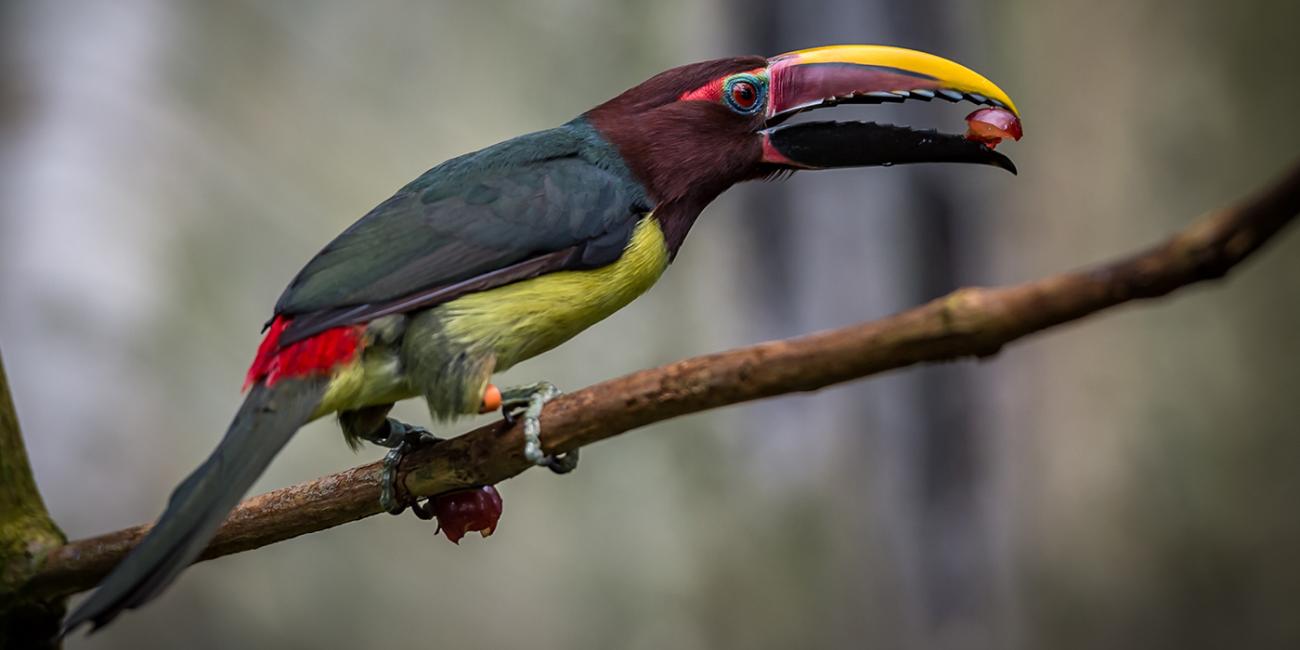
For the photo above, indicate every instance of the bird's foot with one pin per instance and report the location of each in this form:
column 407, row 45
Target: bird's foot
column 527, row 402
column 458, row 512
column 402, row 439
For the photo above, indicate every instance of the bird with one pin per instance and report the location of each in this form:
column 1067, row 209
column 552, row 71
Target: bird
column 499, row 255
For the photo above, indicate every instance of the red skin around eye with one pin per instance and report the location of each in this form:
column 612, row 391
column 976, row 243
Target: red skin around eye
column 991, row 126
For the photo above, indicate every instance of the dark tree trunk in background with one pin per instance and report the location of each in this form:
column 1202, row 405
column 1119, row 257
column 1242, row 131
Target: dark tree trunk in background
column 834, row 248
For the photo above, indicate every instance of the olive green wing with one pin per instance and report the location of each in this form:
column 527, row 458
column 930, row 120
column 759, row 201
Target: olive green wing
column 464, row 228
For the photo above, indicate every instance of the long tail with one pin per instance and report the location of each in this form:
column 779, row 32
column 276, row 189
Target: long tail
column 198, row 506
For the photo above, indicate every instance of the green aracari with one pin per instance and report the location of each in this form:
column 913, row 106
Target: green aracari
column 499, row 255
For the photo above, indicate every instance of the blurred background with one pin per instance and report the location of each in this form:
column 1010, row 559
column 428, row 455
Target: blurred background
column 1131, row 481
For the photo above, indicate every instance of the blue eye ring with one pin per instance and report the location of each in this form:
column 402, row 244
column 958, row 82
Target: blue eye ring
column 734, row 93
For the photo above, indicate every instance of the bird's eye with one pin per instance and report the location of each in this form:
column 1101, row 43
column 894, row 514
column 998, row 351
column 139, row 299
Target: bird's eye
column 744, row 94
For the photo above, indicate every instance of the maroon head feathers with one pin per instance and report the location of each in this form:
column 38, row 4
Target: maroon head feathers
column 685, row 150
column 670, row 85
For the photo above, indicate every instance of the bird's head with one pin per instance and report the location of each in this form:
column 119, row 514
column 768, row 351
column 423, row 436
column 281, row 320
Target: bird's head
column 691, row 132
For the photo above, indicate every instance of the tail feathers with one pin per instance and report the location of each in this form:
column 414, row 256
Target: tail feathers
column 198, row 506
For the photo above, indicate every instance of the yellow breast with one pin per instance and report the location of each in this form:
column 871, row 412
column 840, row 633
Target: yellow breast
column 524, row 319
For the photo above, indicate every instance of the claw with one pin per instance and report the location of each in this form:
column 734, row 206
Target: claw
column 403, row 438
column 564, row 463
column 533, row 398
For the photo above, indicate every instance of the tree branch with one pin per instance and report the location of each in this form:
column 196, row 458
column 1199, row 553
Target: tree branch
column 973, row 322
column 26, row 534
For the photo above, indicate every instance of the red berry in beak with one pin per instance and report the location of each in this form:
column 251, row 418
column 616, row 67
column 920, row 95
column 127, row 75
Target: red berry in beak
column 992, row 125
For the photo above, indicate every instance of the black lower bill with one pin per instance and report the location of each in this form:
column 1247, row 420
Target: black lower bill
column 823, row 145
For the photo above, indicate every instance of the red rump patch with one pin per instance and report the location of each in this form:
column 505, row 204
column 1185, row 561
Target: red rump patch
column 318, row 354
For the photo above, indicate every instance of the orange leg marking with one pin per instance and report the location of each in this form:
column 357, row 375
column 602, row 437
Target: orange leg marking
column 491, row 399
